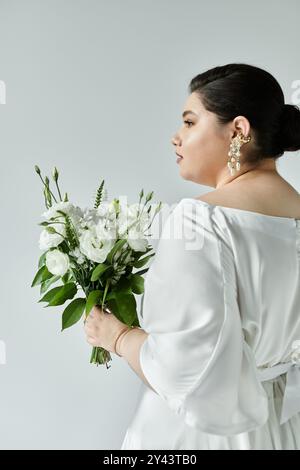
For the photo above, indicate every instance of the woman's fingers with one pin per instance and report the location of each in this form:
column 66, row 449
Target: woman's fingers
column 91, row 340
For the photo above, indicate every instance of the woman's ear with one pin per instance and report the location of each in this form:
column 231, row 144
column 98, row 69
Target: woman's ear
column 241, row 124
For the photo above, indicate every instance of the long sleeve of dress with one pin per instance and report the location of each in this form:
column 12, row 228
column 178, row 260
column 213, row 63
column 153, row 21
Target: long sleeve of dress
column 195, row 356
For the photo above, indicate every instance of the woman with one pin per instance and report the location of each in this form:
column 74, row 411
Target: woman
column 219, row 351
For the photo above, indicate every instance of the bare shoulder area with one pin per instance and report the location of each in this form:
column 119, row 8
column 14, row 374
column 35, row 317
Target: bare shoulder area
column 267, row 194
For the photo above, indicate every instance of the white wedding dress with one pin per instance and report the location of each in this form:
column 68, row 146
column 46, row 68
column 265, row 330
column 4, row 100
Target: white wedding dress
column 222, row 309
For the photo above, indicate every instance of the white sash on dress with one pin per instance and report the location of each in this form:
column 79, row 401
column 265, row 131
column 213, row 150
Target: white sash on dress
column 291, row 397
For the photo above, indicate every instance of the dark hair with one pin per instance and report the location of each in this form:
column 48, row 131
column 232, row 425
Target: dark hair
column 241, row 89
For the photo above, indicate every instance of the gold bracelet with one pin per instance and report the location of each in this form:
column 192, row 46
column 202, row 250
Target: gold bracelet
column 121, row 335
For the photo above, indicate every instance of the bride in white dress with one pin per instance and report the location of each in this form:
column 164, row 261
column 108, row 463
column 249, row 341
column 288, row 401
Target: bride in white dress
column 222, row 312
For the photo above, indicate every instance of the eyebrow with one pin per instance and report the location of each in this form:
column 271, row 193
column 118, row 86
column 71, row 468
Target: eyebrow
column 188, row 111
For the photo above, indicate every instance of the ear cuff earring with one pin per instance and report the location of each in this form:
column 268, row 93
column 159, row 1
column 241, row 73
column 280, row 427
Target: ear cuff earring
column 234, row 153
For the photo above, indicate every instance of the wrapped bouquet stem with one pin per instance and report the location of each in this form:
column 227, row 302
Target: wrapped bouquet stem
column 95, row 250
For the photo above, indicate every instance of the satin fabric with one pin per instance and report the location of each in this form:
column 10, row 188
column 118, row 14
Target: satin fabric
column 221, row 299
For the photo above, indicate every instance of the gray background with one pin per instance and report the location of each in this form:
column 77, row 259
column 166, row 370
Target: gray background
column 97, row 88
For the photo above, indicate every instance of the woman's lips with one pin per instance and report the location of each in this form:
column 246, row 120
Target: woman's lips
column 179, row 157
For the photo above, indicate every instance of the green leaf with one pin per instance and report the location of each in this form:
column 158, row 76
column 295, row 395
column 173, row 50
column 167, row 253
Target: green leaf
column 99, row 270
column 123, row 286
column 135, row 322
column 124, row 308
column 109, row 296
column 141, row 262
column 142, row 271
column 73, row 312
column 58, row 295
column 64, row 246
column 46, row 284
column 42, row 259
column 118, row 245
column 138, row 254
column 137, row 283
column 67, row 277
column 51, row 294
column 41, row 276
column 94, row 298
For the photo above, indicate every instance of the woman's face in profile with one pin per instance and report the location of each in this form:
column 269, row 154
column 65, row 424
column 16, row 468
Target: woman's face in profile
column 204, row 143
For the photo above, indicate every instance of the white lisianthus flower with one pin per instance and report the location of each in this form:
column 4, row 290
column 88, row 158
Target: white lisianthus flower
column 94, row 248
column 136, row 240
column 130, row 219
column 89, row 219
column 143, row 217
column 104, row 233
column 80, row 258
column 295, row 356
column 75, row 214
column 50, row 240
column 57, row 262
column 107, row 210
column 66, row 207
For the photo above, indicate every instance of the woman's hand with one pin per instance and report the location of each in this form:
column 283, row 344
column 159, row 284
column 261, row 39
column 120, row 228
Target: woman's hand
column 102, row 328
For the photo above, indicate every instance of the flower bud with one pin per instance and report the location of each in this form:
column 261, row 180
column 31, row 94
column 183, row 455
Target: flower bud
column 55, row 174
column 47, row 196
column 149, row 196
column 37, row 169
column 116, row 206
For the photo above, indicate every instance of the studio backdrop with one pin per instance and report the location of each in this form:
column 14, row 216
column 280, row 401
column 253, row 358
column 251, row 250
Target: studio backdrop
column 96, row 89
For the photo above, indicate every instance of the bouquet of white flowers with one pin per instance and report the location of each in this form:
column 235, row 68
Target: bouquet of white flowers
column 96, row 250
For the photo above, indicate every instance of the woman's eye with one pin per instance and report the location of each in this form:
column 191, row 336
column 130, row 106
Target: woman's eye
column 188, row 122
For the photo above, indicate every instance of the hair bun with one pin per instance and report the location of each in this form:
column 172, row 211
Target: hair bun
column 290, row 128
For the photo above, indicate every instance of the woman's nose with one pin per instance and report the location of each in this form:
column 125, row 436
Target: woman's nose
column 173, row 141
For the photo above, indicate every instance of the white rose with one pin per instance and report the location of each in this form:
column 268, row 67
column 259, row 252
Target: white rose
column 57, row 262
column 49, row 240
column 94, row 248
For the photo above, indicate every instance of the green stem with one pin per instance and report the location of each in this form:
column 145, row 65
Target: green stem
column 48, row 188
column 58, row 190
column 74, row 231
column 154, row 215
column 105, row 292
column 100, row 355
